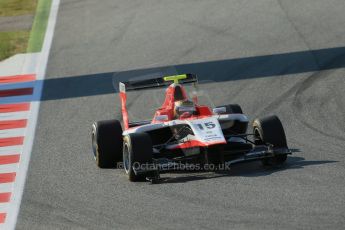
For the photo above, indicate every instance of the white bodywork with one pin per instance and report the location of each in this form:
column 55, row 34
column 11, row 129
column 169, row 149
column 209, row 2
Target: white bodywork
column 206, row 130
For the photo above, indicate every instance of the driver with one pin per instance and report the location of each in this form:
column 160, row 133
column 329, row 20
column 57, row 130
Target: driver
column 184, row 108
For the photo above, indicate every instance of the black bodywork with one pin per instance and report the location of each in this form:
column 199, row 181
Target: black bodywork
column 220, row 156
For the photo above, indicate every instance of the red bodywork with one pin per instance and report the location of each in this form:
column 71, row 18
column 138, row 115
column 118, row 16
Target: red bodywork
column 169, row 103
column 167, row 109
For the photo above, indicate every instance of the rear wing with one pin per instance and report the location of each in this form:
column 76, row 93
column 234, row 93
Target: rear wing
column 147, row 84
column 157, row 82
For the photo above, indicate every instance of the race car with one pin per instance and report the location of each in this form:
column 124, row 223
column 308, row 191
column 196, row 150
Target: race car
column 183, row 130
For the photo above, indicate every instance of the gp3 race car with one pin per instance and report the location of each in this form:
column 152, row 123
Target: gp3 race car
column 183, row 131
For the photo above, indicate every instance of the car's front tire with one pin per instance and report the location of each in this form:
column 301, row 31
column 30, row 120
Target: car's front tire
column 269, row 130
column 137, row 152
column 107, row 143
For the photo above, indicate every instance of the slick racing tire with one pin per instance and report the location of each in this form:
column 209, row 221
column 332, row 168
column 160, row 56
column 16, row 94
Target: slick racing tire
column 232, row 108
column 269, row 130
column 137, row 154
column 107, row 143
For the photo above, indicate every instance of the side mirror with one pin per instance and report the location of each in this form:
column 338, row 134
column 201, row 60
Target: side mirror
column 162, row 118
column 219, row 110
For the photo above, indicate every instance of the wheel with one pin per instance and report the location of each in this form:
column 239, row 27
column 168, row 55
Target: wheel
column 107, row 143
column 269, row 130
column 232, row 108
column 137, row 151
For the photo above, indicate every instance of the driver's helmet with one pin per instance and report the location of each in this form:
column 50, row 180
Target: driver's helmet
column 184, row 107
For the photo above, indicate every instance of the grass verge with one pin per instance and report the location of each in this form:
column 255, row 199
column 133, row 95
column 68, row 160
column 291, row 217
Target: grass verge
column 17, row 7
column 12, row 43
column 15, row 42
column 39, row 26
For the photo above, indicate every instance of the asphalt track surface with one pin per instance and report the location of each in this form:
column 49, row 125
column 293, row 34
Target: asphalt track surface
column 271, row 57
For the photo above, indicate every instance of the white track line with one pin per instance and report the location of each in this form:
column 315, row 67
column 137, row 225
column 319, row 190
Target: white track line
column 4, row 208
column 17, row 85
column 12, row 133
column 14, row 116
column 13, row 210
column 9, row 168
column 10, row 150
column 6, row 187
column 18, row 99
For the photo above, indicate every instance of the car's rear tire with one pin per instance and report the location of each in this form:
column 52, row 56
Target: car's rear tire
column 107, row 143
column 137, row 152
column 269, row 130
column 232, row 108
